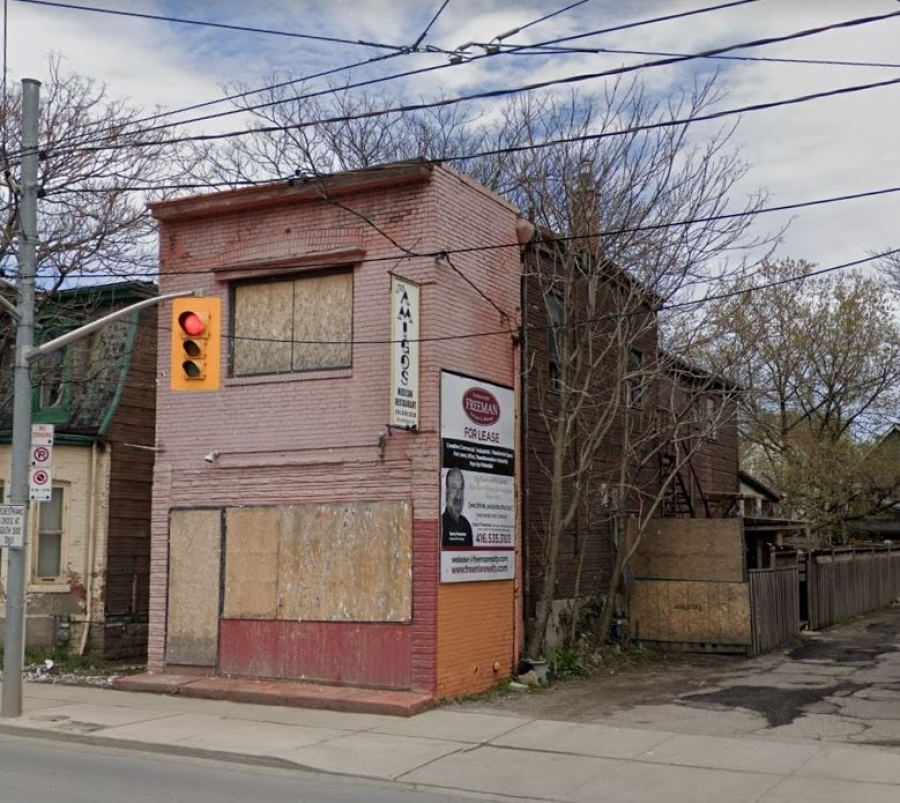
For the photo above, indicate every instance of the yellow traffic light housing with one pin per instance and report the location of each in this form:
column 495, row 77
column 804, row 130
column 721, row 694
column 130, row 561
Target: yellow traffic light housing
column 196, row 344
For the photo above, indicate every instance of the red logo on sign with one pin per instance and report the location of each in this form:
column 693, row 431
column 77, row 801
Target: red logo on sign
column 40, row 478
column 481, row 406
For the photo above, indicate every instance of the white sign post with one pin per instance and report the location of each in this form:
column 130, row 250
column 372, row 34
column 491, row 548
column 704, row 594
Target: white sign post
column 12, row 526
column 42, row 435
column 40, row 478
column 404, row 353
column 40, row 485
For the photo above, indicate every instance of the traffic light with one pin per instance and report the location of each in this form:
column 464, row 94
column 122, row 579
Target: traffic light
column 196, row 344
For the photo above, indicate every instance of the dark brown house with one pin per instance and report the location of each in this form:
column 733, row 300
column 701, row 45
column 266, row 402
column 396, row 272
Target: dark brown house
column 643, row 435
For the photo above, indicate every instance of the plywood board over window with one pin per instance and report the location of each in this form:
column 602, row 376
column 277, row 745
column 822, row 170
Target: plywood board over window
column 330, row 562
column 300, row 324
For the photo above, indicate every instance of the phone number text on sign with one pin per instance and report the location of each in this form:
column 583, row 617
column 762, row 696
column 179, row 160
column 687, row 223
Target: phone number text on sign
column 492, row 539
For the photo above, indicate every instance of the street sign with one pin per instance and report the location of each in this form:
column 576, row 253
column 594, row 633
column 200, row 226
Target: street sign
column 42, row 434
column 40, row 487
column 12, row 526
column 41, row 456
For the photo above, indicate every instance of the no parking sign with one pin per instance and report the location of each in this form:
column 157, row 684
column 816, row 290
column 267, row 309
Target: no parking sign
column 40, row 487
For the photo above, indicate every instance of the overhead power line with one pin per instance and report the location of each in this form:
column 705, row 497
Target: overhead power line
column 209, row 24
column 403, row 51
column 503, row 92
column 524, row 51
column 610, row 232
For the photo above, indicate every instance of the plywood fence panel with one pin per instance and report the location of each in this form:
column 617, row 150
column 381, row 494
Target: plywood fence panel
column 691, row 612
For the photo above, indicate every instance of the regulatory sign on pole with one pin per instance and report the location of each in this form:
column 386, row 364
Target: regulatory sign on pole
column 42, row 434
column 40, row 485
column 12, row 526
column 41, row 456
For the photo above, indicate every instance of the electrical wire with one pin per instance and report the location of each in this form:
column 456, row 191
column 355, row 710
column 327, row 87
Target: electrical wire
column 503, row 92
column 207, row 24
column 430, row 24
column 447, row 252
column 531, row 146
column 283, row 84
column 755, row 59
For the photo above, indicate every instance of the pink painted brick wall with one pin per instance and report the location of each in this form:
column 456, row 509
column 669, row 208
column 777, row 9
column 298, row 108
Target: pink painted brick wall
column 314, row 437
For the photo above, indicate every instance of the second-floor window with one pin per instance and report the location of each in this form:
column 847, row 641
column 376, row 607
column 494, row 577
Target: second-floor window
column 635, row 378
column 556, row 322
column 287, row 326
column 712, row 418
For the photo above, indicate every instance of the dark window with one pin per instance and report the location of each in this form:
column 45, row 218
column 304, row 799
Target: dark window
column 634, row 378
column 556, row 327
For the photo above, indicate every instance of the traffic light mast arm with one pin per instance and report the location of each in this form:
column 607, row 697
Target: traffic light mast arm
column 76, row 334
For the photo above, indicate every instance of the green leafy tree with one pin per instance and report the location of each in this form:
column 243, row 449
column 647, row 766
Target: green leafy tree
column 819, row 359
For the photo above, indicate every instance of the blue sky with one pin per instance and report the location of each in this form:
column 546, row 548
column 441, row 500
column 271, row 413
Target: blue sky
column 799, row 153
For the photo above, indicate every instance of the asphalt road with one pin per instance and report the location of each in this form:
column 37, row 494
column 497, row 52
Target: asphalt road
column 43, row 771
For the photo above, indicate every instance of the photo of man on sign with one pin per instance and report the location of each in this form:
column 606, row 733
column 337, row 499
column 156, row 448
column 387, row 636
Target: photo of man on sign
column 455, row 528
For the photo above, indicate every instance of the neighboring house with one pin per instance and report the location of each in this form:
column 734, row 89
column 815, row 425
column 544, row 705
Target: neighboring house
column 878, row 516
column 89, row 544
column 676, row 438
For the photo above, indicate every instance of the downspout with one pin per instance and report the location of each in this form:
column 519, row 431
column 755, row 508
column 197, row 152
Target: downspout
column 92, row 536
column 524, row 233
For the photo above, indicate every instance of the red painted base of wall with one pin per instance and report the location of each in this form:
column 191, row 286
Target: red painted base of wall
column 350, row 653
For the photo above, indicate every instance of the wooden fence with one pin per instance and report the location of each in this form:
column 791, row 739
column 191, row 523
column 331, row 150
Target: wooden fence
column 775, row 605
column 846, row 582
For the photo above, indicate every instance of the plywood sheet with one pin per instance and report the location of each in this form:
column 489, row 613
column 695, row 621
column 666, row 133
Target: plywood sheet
column 329, row 562
column 251, row 562
column 691, row 612
column 691, row 549
column 194, row 570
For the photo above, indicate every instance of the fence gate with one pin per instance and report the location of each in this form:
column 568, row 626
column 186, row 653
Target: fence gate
column 774, row 607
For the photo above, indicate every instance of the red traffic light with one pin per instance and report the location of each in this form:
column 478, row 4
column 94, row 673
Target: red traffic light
column 191, row 323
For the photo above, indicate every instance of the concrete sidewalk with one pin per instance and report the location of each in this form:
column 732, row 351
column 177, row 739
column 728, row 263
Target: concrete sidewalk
column 532, row 760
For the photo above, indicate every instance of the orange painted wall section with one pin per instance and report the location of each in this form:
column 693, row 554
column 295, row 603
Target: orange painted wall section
column 475, row 630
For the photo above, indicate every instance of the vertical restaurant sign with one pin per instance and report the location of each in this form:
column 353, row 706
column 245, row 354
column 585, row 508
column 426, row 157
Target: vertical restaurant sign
column 478, row 500
column 404, row 353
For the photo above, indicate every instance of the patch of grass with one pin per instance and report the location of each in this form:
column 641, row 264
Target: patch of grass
column 66, row 663
column 570, row 664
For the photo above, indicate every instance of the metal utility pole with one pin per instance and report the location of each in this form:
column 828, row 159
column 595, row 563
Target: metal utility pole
column 17, row 575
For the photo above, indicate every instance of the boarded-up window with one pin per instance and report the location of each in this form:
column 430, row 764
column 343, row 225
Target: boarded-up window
column 301, row 324
column 320, row 562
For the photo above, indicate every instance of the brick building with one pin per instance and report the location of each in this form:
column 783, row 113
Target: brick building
column 296, row 520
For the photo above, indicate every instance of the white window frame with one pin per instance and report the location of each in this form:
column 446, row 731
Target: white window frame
column 59, row 578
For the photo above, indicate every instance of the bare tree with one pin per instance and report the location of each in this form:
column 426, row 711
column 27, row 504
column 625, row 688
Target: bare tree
column 98, row 166
column 317, row 132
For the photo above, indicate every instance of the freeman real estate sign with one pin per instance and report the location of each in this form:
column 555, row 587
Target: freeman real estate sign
column 478, row 504
column 404, row 353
